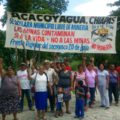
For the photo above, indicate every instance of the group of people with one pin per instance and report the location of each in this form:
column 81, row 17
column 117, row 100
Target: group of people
column 54, row 81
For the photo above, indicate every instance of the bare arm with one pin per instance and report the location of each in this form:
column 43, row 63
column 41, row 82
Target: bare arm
column 19, row 88
column 50, row 88
column 80, row 93
column 107, row 81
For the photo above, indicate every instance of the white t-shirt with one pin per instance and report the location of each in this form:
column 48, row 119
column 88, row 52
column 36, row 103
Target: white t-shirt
column 102, row 75
column 60, row 97
column 50, row 73
column 40, row 82
column 23, row 78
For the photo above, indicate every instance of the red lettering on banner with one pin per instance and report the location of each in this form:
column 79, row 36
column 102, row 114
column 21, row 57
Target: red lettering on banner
column 61, row 40
column 31, row 31
column 27, row 37
column 102, row 47
column 18, row 36
column 81, row 40
column 54, row 40
column 38, row 38
column 58, row 33
column 68, row 40
column 18, row 29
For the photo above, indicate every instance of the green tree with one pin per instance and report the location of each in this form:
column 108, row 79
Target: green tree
column 117, row 13
column 34, row 6
column 49, row 6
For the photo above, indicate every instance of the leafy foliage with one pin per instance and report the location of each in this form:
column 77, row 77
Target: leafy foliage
column 49, row 6
column 25, row 6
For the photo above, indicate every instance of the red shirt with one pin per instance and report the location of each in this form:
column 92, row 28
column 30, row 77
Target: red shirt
column 118, row 69
column 68, row 68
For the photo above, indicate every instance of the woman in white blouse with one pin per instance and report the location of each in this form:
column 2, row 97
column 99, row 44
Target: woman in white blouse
column 41, row 82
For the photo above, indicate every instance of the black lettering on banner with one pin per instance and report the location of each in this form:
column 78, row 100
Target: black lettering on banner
column 40, row 17
column 91, row 21
column 82, row 20
column 24, row 16
column 101, row 20
column 32, row 17
column 16, row 15
column 62, row 19
column 76, row 19
column 69, row 19
column 55, row 18
column 47, row 18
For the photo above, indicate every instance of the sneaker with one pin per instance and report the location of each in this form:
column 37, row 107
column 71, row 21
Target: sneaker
column 76, row 117
column 80, row 118
column 106, row 108
column 68, row 112
column 102, row 106
column 91, row 106
column 116, row 104
column 56, row 116
column 32, row 109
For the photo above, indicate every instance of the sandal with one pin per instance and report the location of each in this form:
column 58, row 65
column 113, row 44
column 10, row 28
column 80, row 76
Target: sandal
column 16, row 119
column 68, row 112
column 44, row 118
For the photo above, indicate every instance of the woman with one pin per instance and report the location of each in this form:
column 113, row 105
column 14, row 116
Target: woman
column 65, row 82
column 80, row 76
column 103, row 85
column 113, row 84
column 9, row 96
column 41, row 83
column 91, row 78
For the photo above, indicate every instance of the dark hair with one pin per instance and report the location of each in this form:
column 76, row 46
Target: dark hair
column 89, row 63
column 10, row 67
column 80, row 83
column 101, row 64
column 80, row 65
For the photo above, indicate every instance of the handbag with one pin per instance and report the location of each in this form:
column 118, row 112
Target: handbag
column 33, row 86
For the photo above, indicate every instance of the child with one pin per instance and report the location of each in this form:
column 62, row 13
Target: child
column 59, row 102
column 79, row 107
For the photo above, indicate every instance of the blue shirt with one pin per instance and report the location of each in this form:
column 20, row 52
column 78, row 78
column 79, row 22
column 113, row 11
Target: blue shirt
column 113, row 77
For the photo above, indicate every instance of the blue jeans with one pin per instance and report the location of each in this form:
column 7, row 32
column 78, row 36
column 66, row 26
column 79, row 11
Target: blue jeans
column 113, row 88
column 79, row 107
column 59, row 106
column 27, row 93
column 51, row 99
column 92, row 95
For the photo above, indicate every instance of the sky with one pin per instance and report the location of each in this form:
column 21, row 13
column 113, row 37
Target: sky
column 89, row 7
column 83, row 8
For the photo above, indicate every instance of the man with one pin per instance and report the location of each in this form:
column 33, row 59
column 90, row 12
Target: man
column 51, row 78
column 22, row 75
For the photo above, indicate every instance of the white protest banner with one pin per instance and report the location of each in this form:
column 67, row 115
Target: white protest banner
column 54, row 33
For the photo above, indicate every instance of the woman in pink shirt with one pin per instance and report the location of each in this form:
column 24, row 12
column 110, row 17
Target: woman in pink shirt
column 91, row 79
column 80, row 76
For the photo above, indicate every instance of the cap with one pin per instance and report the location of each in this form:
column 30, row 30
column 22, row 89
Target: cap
column 46, row 61
column 23, row 64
